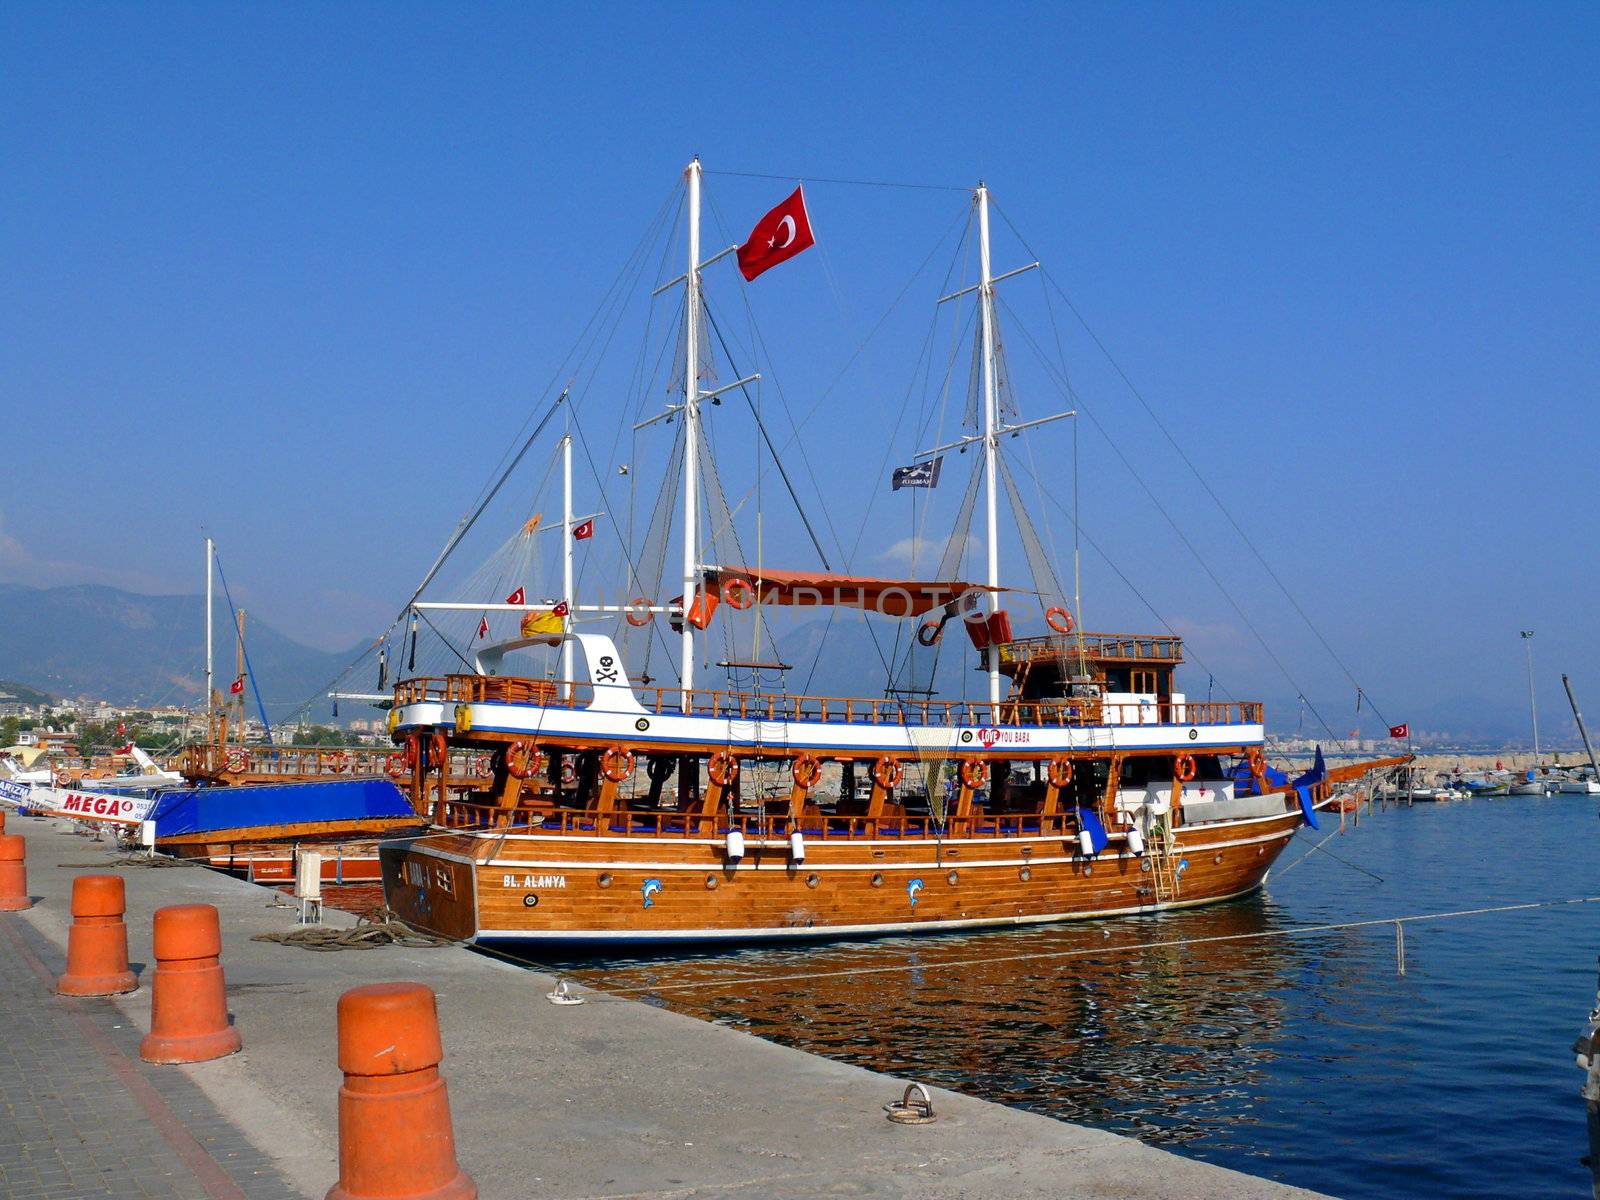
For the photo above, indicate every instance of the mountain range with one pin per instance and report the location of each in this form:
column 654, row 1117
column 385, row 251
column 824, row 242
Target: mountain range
column 103, row 643
column 129, row 649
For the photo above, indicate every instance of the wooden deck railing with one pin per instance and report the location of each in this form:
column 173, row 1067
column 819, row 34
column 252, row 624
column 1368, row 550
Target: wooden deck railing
column 203, row 760
column 1122, row 647
column 756, row 827
column 755, row 706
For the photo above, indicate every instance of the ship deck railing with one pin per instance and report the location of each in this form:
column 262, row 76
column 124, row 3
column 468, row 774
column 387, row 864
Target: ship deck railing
column 1096, row 647
column 761, row 830
column 759, row 706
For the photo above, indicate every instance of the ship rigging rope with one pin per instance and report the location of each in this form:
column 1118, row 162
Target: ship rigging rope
column 1205, row 483
column 923, row 965
column 879, row 183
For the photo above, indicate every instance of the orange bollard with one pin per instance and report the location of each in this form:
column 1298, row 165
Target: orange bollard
column 97, row 942
column 13, row 874
column 188, row 1004
column 395, row 1138
column 2, row 820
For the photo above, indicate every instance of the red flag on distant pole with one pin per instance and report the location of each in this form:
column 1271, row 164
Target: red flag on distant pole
column 586, row 530
column 777, row 237
column 1400, row 731
column 122, row 730
column 236, row 688
column 128, row 749
column 483, row 627
column 517, row 597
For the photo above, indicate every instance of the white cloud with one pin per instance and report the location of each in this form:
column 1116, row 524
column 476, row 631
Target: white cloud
column 924, row 552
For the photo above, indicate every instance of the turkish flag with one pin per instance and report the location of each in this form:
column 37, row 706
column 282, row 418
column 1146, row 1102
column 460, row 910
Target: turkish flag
column 483, row 627
column 517, row 597
column 777, row 237
column 236, row 688
column 586, row 530
column 1400, row 731
column 122, row 730
column 560, row 610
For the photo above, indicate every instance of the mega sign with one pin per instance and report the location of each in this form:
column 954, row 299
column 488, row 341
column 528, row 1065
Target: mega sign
column 92, row 806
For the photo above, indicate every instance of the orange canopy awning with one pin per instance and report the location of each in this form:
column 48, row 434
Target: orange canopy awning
column 891, row 597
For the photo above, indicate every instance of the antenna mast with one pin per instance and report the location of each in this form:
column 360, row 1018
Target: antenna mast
column 211, row 550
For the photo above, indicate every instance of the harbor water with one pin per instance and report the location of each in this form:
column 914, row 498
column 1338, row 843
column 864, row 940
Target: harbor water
column 1222, row 1034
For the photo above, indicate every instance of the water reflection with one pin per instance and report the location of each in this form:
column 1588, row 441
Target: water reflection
column 1161, row 1026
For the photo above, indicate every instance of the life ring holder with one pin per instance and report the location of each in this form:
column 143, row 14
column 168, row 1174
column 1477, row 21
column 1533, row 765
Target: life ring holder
column 887, row 772
column 723, row 768
column 1184, row 768
column 1059, row 772
column 617, row 763
column 805, row 771
column 523, row 759
column 973, row 773
column 1059, row 619
column 738, row 592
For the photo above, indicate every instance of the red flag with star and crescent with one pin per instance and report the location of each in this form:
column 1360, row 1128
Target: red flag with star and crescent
column 517, row 597
column 777, row 237
column 1400, row 731
column 586, row 530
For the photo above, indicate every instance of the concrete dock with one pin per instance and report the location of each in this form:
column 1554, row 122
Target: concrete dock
column 609, row 1098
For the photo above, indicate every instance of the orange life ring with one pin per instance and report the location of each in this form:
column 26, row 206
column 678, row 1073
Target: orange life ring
column 394, row 763
column 61, row 779
column 639, row 614
column 1058, row 619
column 569, row 772
column 738, row 592
column 887, row 772
column 1184, row 767
column 238, row 761
column 523, row 759
column 616, row 764
column 410, row 752
column 439, row 751
column 723, row 768
column 1060, row 772
column 973, row 772
column 805, row 771
column 929, row 632
column 1257, row 761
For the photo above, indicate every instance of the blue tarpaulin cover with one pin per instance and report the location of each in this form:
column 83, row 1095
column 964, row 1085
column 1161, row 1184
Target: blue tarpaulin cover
column 215, row 809
column 1090, row 820
column 1304, row 785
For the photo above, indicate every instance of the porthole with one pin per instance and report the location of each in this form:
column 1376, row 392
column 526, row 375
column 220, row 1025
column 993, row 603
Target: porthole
column 953, row 878
column 605, row 879
column 1027, row 852
column 711, row 883
column 813, row 879
column 877, row 879
column 1217, row 859
column 1025, row 874
column 1144, row 864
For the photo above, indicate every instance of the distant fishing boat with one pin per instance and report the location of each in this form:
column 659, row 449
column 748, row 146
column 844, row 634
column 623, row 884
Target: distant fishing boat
column 621, row 811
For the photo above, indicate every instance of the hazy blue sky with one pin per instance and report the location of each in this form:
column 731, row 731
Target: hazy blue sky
column 295, row 274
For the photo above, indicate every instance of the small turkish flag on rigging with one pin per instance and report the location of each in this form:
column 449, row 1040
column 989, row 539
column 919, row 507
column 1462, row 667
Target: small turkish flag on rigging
column 517, row 597
column 1400, row 731
column 586, row 530
column 777, row 237
column 236, row 688
column 561, row 609
column 483, row 627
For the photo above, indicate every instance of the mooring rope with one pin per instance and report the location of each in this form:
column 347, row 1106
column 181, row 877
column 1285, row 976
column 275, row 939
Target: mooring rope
column 1090, row 951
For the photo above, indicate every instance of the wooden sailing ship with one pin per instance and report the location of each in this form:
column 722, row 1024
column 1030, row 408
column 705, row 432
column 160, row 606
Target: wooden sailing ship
column 618, row 810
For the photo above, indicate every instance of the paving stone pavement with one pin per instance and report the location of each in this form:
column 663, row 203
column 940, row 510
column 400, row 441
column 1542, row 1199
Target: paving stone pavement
column 81, row 1116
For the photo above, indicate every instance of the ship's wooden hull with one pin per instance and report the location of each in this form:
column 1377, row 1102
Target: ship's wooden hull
column 512, row 887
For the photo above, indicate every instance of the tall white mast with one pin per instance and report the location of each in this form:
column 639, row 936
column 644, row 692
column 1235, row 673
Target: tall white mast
column 991, row 447
column 566, row 553
column 691, row 431
column 210, row 573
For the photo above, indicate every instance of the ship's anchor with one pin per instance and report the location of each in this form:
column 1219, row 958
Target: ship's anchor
column 906, row 1111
